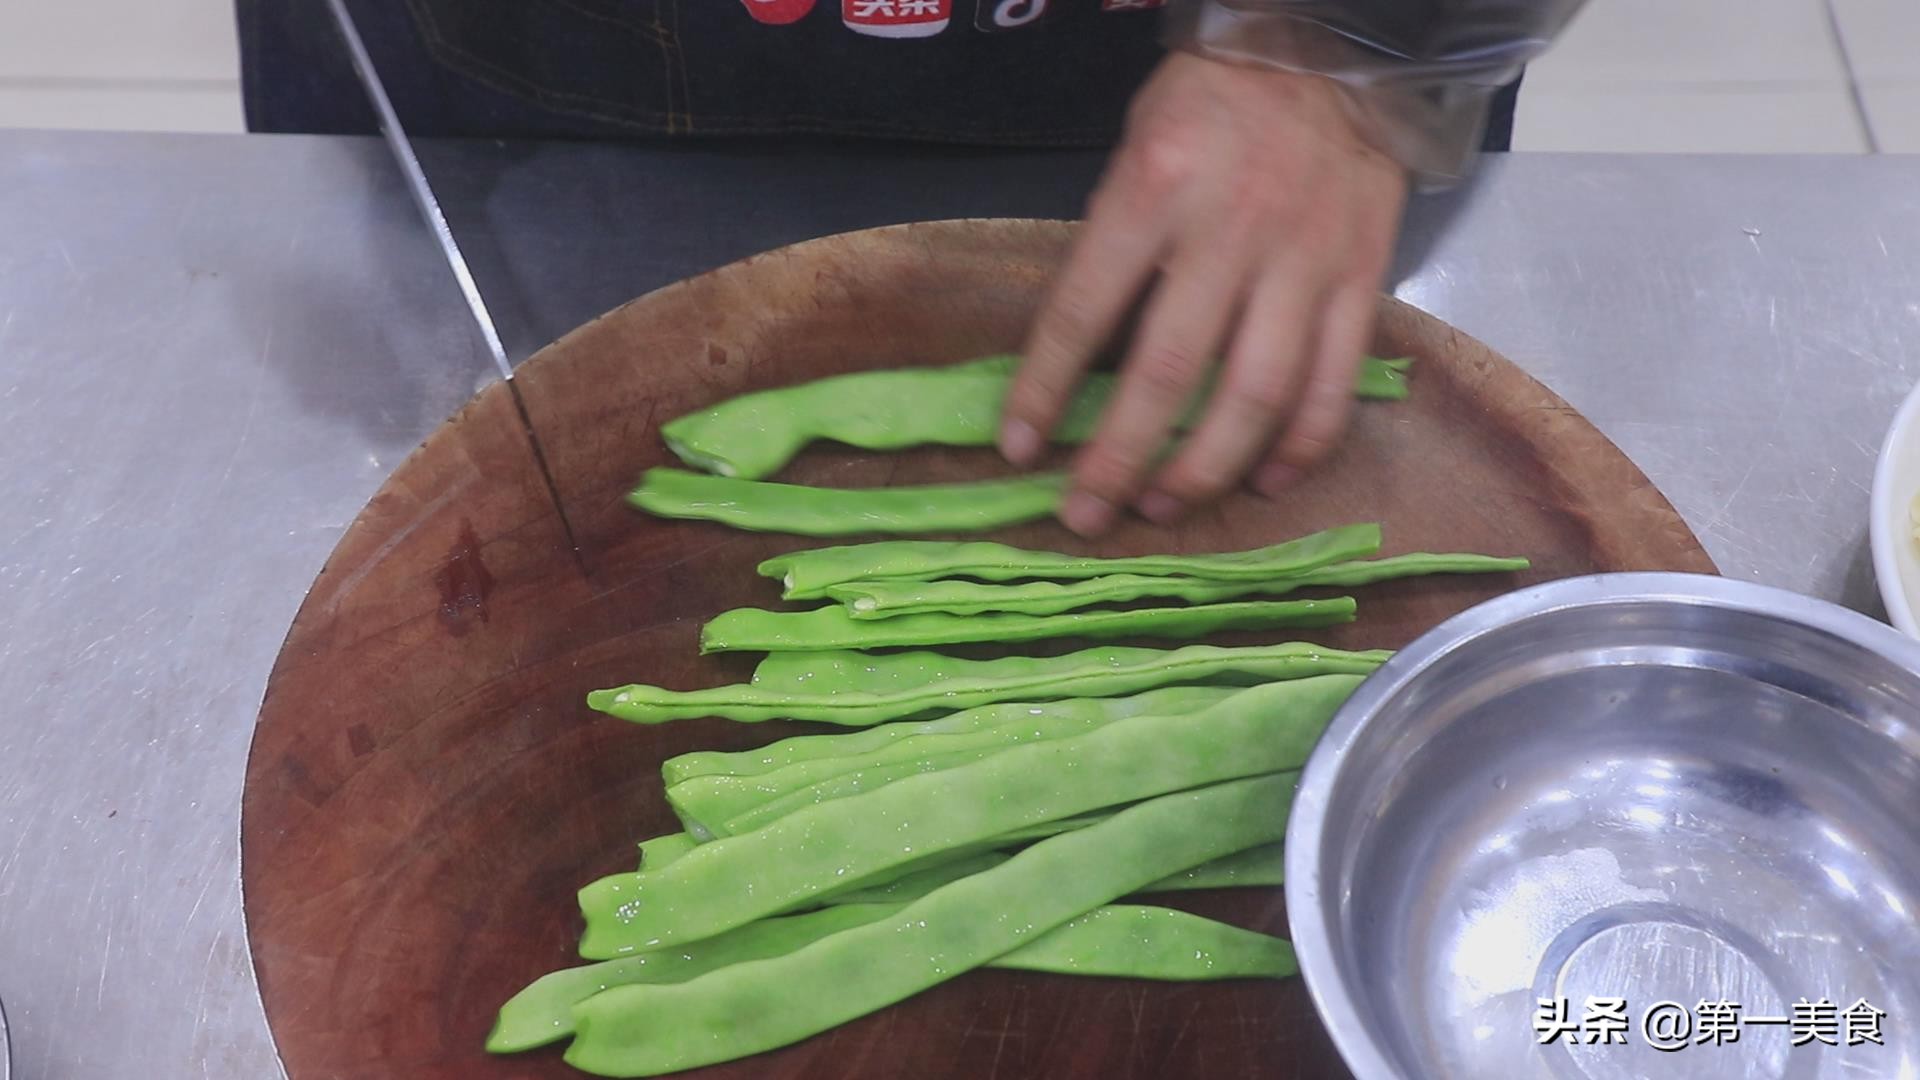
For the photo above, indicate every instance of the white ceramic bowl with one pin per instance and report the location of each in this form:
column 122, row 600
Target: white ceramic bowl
column 1896, row 482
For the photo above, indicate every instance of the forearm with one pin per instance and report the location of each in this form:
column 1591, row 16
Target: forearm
column 1420, row 72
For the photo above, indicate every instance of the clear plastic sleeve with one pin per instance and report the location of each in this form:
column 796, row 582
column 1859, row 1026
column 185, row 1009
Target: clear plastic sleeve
column 1420, row 72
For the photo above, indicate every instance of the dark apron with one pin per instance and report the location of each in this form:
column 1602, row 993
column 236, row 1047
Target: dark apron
column 982, row 72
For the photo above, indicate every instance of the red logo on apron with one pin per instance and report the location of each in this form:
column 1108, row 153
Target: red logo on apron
column 1131, row 5
column 897, row 18
column 996, row 15
column 778, row 12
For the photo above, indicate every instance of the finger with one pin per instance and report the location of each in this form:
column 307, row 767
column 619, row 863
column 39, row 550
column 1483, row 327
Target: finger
column 1111, row 260
column 1327, row 399
column 1262, row 377
column 1184, row 323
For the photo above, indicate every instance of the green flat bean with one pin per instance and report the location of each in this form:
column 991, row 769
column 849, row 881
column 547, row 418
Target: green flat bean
column 1263, row 865
column 759, row 1005
column 1122, row 940
column 759, row 506
column 938, row 865
column 895, row 598
column 744, row 765
column 805, row 575
column 1134, row 941
column 732, row 881
column 754, row 435
column 854, row 782
column 832, row 628
column 733, row 816
column 718, row 799
column 1384, row 379
column 848, row 671
column 662, row 850
column 918, row 883
column 543, row 1012
column 922, row 866
column 932, row 865
column 1055, row 827
column 1089, row 673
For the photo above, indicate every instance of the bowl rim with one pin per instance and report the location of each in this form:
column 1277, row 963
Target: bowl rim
column 1310, row 928
column 1883, row 507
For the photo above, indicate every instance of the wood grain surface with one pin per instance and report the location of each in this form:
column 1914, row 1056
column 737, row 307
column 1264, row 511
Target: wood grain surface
column 427, row 789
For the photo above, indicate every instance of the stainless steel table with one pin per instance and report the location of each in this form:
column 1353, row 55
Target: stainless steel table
column 212, row 350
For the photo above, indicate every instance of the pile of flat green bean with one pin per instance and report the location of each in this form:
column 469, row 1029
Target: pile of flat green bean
column 977, row 813
column 907, row 854
column 737, row 443
column 753, row 436
column 974, row 813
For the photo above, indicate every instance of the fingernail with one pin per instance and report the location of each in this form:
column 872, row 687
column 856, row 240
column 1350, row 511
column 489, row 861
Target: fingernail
column 1019, row 442
column 1088, row 515
column 1274, row 479
column 1160, row 507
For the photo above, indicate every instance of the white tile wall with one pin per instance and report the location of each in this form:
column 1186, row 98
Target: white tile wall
column 1882, row 38
column 118, row 39
column 1700, row 76
column 160, row 65
column 209, row 106
column 1697, row 119
column 1630, row 75
column 1894, row 109
column 1634, row 43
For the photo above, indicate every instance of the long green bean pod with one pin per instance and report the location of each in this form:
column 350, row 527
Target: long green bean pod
column 1088, row 673
column 828, row 754
column 853, row 782
column 888, row 673
column 861, row 778
column 735, row 880
column 848, row 671
column 918, row 883
column 1263, row 865
column 662, row 850
column 805, row 575
column 831, row 628
column 889, row 598
column 1136, row 941
column 758, row 1005
column 851, row 671
column 759, row 506
column 718, row 799
column 947, row 865
column 754, row 435
column 543, row 1012
column 1123, row 940
column 1384, row 379
column 936, row 866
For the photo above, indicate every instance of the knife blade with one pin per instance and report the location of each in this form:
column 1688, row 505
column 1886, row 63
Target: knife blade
column 423, row 197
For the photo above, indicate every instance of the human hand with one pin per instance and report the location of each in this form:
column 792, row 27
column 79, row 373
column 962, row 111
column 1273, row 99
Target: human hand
column 1270, row 222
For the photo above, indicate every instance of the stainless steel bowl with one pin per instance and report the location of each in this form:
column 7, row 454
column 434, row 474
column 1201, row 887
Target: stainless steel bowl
column 1662, row 788
column 6, row 1053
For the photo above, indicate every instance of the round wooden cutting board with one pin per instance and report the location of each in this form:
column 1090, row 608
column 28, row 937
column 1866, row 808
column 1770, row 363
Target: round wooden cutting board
column 427, row 788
